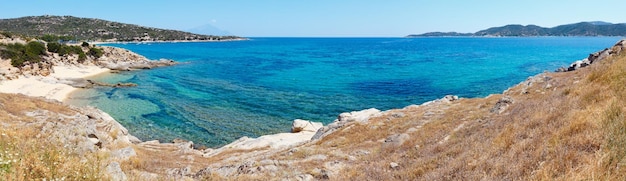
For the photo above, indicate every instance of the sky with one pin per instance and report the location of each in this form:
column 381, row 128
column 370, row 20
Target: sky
column 328, row 18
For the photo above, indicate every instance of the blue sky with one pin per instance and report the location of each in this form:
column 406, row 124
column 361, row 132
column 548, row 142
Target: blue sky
column 329, row 18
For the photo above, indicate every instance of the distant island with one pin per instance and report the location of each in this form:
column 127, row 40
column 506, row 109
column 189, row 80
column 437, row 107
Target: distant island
column 595, row 28
column 90, row 29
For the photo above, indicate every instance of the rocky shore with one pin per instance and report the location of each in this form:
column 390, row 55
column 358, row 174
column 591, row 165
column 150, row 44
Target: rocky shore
column 490, row 138
column 56, row 76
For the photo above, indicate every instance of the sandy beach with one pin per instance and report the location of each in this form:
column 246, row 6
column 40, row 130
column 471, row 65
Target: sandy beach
column 50, row 87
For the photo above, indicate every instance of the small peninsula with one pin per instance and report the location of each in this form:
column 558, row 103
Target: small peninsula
column 97, row 30
column 595, row 28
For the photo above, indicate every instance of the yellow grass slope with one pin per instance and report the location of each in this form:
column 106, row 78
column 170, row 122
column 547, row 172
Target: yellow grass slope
column 555, row 126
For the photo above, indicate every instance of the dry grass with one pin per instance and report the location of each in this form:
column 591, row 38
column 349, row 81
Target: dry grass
column 24, row 157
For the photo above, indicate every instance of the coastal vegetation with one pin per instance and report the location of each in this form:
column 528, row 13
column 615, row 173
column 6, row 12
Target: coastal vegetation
column 21, row 54
column 577, row 29
column 32, row 52
column 69, row 28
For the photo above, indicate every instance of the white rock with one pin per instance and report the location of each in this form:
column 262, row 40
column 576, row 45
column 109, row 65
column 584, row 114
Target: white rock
column 115, row 172
column 360, row 116
column 299, row 125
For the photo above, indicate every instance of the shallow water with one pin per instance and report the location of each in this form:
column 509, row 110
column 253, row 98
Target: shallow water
column 225, row 90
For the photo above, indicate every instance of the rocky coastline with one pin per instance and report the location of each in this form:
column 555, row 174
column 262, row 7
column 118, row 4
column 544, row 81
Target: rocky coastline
column 311, row 152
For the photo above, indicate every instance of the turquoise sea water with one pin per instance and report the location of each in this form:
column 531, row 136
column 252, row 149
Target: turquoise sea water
column 226, row 90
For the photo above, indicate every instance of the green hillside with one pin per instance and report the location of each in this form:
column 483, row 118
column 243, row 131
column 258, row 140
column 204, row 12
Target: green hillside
column 89, row 29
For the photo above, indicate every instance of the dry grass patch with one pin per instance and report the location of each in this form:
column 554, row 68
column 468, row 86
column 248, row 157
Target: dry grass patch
column 24, row 157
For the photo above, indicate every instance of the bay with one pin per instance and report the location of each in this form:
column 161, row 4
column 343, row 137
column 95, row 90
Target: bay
column 226, row 90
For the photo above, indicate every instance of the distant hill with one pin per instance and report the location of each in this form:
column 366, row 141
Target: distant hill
column 595, row 28
column 89, row 29
column 209, row 29
column 446, row 34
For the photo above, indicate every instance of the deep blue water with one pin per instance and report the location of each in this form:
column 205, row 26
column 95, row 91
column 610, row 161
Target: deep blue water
column 226, row 90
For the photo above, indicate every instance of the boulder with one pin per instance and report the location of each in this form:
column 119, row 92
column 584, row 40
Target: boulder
column 395, row 140
column 115, row 172
column 344, row 119
column 394, row 165
column 124, row 153
column 300, row 125
column 501, row 105
column 360, row 116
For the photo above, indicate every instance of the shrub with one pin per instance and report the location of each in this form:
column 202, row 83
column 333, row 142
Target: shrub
column 54, row 47
column 20, row 53
column 95, row 52
column 81, row 57
column 84, row 44
column 7, row 34
column 76, row 49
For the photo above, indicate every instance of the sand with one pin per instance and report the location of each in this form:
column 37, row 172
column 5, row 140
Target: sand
column 49, row 87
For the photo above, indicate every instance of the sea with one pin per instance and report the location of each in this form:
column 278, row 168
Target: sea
column 222, row 91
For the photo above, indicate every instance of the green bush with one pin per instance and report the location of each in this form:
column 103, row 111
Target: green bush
column 54, row 47
column 63, row 50
column 20, row 53
column 95, row 52
column 7, row 34
column 84, row 44
column 81, row 57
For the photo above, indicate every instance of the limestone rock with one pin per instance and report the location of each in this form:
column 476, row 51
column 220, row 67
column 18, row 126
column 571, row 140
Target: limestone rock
column 501, row 105
column 305, row 177
column 344, row 119
column 394, row 165
column 179, row 173
column 361, row 116
column 115, row 172
column 395, row 140
column 299, row 125
column 124, row 153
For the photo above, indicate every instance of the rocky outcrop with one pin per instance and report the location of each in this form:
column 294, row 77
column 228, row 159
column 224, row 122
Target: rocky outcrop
column 344, row 119
column 305, row 131
column 128, row 66
column 594, row 57
column 112, row 58
column 300, row 125
column 502, row 105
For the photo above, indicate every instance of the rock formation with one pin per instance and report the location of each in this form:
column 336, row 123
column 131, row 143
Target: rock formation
column 594, row 57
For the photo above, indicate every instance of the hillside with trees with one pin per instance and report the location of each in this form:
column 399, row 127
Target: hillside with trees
column 596, row 28
column 89, row 29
